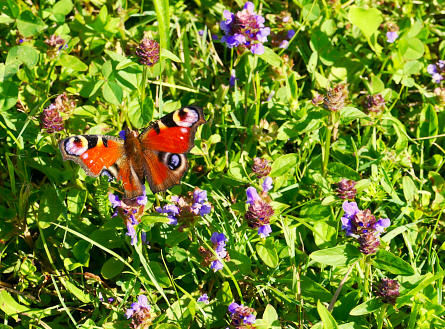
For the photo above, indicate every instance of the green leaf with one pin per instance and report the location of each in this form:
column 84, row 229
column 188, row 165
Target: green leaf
column 367, row 20
column 9, row 305
column 76, row 200
column 63, row 7
column 429, row 123
column 166, row 326
column 153, row 219
column 411, row 48
column 267, row 253
column 387, row 261
column 72, row 62
column 141, row 118
column 311, row 11
column 283, row 164
column 376, row 86
column 112, row 93
column 271, row 57
column 111, row 268
column 23, row 55
column 349, row 114
column 79, row 293
column 81, row 250
column 270, row 319
column 168, row 54
column 338, row 169
column 367, row 307
column 327, row 318
column 29, row 25
column 409, row 189
column 342, row 255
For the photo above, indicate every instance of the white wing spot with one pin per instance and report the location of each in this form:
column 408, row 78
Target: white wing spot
column 76, row 148
column 190, row 119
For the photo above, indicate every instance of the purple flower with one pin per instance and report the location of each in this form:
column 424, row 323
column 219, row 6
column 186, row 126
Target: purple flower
column 284, row 44
column 232, row 307
column 215, row 37
column 257, row 49
column 350, row 209
column 232, row 79
column 437, row 77
column 391, row 36
column 244, row 29
column 218, row 239
column 122, row 134
column 267, row 184
column 110, row 299
column 252, row 195
column 148, row 52
column 200, row 196
column 140, row 313
column 431, row 69
column 201, row 32
column 264, row 231
column 114, row 199
column 381, row 224
column 241, row 315
column 171, row 210
column 135, row 307
column 388, row 290
column 216, row 265
column 290, row 34
column 203, row 298
column 131, row 232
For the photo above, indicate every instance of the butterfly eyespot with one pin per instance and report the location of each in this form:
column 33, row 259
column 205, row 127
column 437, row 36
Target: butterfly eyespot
column 76, row 145
column 173, row 161
column 185, row 117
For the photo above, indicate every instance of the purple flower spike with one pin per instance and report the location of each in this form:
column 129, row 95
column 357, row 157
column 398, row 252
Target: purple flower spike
column 252, row 195
column 267, row 184
column 264, row 231
column 132, row 234
column 437, row 77
column 391, row 36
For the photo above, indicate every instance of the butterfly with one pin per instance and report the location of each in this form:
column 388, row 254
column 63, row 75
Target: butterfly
column 157, row 155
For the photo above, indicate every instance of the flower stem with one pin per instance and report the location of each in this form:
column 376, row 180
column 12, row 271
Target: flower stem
column 382, row 316
column 327, row 143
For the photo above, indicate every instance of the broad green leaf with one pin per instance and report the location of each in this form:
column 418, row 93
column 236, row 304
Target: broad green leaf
column 23, row 54
column 312, row 64
column 81, row 250
column 327, row 318
column 9, row 305
column 72, row 62
column 367, row 307
column 283, row 164
column 342, row 255
column 367, row 20
column 154, row 218
column 411, row 48
column 271, row 57
column 141, row 118
column 29, row 25
column 112, row 93
column 270, row 319
column 111, row 268
column 61, row 9
column 268, row 253
column 376, row 86
column 168, row 54
column 311, row 11
column 387, row 261
column 348, row 114
column 167, row 326
column 312, row 289
column 338, row 169
column 429, row 123
column 76, row 200
column 409, row 189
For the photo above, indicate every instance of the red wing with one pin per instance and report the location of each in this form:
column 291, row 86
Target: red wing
column 132, row 184
column 175, row 132
column 93, row 153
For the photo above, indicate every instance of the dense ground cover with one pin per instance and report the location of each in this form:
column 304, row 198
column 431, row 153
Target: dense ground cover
column 315, row 191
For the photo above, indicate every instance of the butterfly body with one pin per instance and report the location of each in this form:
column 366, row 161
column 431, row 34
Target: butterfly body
column 157, row 155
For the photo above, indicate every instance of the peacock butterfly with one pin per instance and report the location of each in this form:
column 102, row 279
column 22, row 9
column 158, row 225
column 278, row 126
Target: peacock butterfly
column 157, row 155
